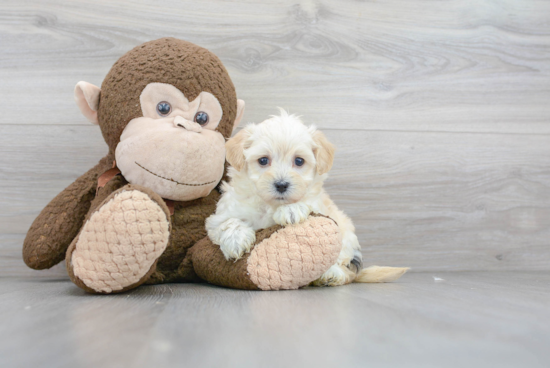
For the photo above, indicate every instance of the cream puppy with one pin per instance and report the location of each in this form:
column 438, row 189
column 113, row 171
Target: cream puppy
column 277, row 172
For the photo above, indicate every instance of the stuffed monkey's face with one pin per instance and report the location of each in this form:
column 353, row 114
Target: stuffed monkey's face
column 174, row 148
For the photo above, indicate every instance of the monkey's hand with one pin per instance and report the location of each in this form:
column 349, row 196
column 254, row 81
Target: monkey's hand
column 282, row 258
column 293, row 213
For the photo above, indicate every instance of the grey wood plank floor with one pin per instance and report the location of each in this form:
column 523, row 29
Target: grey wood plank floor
column 439, row 110
column 468, row 319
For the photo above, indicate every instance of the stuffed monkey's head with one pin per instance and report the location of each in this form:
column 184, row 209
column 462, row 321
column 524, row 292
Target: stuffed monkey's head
column 165, row 109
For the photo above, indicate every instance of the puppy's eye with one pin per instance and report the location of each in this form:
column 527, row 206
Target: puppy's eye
column 164, row 108
column 298, row 161
column 201, row 118
column 263, row 161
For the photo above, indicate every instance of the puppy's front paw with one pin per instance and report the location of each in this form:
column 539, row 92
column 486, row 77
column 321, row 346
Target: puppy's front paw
column 294, row 213
column 236, row 238
column 336, row 275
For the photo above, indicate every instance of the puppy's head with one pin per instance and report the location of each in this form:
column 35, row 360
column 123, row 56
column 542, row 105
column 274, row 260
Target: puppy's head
column 282, row 157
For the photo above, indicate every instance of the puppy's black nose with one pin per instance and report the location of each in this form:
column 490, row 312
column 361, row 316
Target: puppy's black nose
column 281, row 186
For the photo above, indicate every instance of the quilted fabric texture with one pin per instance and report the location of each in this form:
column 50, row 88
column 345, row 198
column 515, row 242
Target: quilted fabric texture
column 282, row 258
column 120, row 242
column 295, row 255
column 124, row 236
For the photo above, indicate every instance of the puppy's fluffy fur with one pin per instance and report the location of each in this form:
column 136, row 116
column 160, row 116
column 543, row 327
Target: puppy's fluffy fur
column 284, row 191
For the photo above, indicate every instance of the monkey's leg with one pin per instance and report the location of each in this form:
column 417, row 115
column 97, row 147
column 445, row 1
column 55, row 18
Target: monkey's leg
column 56, row 226
column 282, row 258
column 120, row 242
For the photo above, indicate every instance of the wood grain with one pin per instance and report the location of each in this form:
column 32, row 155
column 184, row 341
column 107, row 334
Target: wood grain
column 439, row 110
column 432, row 201
column 481, row 319
column 398, row 65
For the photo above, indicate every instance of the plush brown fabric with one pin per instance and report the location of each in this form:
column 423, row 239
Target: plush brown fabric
column 56, row 226
column 105, row 194
column 210, row 264
column 190, row 68
column 187, row 229
column 282, row 257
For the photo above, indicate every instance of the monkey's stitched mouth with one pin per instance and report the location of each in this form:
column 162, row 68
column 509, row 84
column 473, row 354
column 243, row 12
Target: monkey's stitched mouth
column 172, row 180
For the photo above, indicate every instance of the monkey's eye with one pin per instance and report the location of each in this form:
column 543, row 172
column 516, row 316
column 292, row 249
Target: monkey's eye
column 201, row 118
column 263, row 161
column 164, row 108
column 298, row 161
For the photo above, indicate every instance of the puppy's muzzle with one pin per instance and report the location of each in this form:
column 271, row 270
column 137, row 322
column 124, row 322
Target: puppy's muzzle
column 281, row 186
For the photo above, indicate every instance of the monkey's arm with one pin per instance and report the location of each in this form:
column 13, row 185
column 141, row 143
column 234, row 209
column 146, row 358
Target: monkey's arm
column 282, row 258
column 59, row 222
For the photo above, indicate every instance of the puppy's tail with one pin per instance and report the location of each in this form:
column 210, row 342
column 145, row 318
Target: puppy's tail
column 380, row 274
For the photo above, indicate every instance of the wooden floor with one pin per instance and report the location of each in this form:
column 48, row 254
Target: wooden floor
column 440, row 112
column 477, row 319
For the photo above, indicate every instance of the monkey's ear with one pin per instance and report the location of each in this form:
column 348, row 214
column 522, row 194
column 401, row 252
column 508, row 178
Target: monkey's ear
column 86, row 96
column 234, row 149
column 240, row 113
column 324, row 152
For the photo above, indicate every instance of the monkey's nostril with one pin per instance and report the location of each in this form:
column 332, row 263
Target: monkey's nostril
column 180, row 122
column 281, row 186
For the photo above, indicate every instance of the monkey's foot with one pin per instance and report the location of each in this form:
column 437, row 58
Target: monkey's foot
column 118, row 246
column 282, row 258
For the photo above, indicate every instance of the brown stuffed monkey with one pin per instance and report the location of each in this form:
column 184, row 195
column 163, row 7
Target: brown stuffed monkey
column 165, row 110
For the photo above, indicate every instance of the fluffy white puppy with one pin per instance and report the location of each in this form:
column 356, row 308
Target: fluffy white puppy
column 277, row 172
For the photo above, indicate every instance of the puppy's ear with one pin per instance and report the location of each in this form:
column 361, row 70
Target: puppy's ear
column 324, row 152
column 234, row 149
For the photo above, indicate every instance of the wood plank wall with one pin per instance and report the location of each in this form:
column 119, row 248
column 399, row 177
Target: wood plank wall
column 440, row 111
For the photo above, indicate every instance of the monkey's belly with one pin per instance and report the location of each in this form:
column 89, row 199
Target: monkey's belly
column 187, row 229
